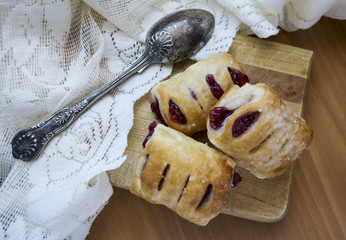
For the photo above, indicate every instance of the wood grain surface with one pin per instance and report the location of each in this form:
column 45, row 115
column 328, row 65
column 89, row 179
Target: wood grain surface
column 286, row 69
column 317, row 207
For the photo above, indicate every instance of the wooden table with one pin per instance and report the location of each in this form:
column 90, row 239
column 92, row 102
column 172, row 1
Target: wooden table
column 318, row 202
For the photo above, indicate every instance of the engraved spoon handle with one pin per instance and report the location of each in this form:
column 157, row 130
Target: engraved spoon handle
column 28, row 143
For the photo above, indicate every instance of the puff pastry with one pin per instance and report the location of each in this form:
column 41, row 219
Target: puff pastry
column 254, row 126
column 183, row 102
column 186, row 176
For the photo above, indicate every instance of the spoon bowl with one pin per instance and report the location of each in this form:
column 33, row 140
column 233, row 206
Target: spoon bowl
column 172, row 39
column 180, row 35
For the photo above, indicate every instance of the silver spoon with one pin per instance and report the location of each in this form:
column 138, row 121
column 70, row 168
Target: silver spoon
column 172, row 39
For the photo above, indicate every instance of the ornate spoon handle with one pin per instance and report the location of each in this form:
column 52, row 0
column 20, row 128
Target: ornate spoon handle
column 28, row 143
column 172, row 39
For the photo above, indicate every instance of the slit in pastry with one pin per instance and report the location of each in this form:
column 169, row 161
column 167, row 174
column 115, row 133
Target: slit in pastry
column 184, row 188
column 162, row 180
column 255, row 149
column 207, row 196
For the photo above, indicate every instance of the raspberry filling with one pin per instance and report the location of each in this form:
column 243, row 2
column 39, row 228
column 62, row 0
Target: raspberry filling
column 217, row 116
column 236, row 180
column 215, row 88
column 151, row 128
column 175, row 113
column 244, row 122
column 155, row 108
column 193, row 94
column 238, row 77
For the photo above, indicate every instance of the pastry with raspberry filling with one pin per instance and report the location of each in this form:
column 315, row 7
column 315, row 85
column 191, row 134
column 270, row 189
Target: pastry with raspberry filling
column 187, row 176
column 254, row 126
column 183, row 102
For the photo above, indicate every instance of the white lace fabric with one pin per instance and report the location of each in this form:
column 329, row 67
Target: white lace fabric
column 54, row 53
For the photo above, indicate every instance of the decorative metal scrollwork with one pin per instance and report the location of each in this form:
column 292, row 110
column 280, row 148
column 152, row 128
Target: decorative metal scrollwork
column 70, row 112
column 161, row 43
column 29, row 142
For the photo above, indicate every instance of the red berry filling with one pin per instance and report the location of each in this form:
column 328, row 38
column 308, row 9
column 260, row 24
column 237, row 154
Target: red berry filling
column 217, row 116
column 175, row 113
column 155, row 108
column 215, row 88
column 244, row 122
column 193, row 94
column 151, row 128
column 238, row 77
column 236, row 180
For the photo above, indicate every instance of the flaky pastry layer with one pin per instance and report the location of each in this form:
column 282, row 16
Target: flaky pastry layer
column 191, row 92
column 186, row 176
column 272, row 142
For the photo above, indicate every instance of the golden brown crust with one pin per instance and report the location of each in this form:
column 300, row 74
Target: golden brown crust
column 272, row 143
column 180, row 87
column 176, row 171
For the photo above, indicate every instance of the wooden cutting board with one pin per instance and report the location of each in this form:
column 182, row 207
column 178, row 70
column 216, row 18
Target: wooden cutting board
column 286, row 69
